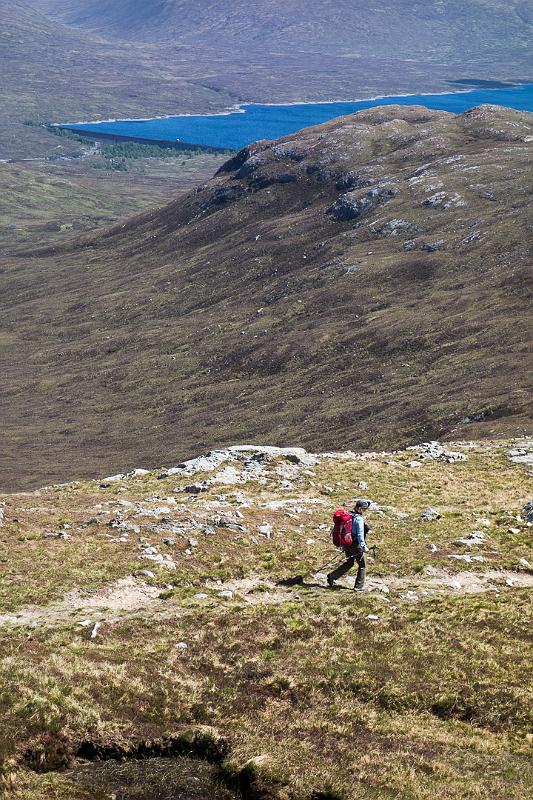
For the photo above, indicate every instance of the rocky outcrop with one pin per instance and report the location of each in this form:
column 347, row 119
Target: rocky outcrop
column 396, row 227
column 354, row 205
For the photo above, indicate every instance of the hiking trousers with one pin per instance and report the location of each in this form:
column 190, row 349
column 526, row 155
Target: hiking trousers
column 353, row 554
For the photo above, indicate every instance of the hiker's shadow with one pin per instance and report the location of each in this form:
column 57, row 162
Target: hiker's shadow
column 298, row 580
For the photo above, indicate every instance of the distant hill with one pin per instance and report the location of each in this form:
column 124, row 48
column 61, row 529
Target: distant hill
column 52, row 72
column 364, row 282
column 405, row 28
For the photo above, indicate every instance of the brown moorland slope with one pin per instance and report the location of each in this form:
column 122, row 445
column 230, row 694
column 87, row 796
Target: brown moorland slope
column 364, row 282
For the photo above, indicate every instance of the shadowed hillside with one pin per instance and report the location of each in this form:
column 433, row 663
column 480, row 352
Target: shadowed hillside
column 363, row 281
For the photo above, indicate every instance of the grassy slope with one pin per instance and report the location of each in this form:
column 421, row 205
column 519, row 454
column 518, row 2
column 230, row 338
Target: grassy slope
column 48, row 201
column 432, row 697
column 240, row 319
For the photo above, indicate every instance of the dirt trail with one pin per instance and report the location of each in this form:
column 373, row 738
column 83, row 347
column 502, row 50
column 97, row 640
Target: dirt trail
column 120, row 598
column 131, row 596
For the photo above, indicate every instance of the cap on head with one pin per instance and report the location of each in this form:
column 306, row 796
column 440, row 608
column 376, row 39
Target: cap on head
column 362, row 504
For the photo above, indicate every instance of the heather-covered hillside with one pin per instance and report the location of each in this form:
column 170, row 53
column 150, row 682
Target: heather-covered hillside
column 365, row 281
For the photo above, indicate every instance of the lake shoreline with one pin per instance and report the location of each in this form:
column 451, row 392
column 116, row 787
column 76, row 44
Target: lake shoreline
column 240, row 125
column 240, row 108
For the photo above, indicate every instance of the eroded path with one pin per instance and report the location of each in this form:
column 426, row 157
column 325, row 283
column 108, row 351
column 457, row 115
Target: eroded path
column 131, row 596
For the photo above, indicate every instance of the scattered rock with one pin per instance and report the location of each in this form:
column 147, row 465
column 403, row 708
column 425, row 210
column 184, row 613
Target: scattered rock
column 395, row 227
column 226, row 594
column 158, row 511
column 196, row 488
column 435, row 200
column 57, row 535
column 430, row 514
column 181, row 646
column 474, row 539
column 251, row 165
column 144, row 573
column 291, row 151
column 467, row 558
column 120, row 525
column 434, row 450
column 351, row 180
column 151, row 553
column 522, row 455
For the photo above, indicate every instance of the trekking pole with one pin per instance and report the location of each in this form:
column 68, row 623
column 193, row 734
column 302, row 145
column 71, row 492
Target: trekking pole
column 328, row 564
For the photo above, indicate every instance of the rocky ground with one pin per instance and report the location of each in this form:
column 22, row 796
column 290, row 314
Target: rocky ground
column 152, row 604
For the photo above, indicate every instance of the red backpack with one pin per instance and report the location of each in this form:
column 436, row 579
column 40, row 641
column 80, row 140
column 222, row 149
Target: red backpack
column 342, row 528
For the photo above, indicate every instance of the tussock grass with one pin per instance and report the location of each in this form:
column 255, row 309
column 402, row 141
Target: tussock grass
column 315, row 700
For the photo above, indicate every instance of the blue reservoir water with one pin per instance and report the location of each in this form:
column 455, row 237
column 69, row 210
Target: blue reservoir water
column 257, row 121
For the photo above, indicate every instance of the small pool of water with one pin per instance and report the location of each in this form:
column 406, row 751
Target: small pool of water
column 258, row 121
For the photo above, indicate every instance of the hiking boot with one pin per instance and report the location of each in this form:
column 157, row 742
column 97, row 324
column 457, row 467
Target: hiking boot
column 359, row 589
column 330, row 581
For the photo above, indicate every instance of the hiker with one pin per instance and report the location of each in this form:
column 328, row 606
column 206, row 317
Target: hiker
column 355, row 551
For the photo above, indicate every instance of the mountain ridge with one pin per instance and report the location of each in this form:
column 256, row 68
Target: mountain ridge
column 254, row 307
column 308, row 25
